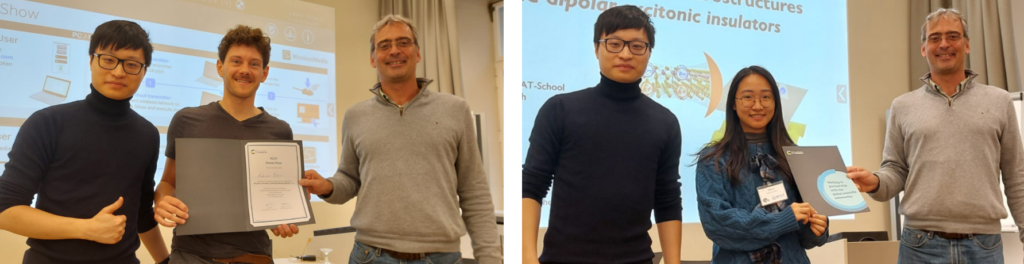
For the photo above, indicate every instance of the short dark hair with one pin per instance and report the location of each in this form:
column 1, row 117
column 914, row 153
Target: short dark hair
column 733, row 144
column 623, row 17
column 246, row 36
column 121, row 34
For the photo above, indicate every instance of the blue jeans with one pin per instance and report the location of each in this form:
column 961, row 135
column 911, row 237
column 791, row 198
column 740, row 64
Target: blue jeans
column 925, row 247
column 363, row 253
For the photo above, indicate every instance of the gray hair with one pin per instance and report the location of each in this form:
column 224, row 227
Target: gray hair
column 949, row 13
column 388, row 20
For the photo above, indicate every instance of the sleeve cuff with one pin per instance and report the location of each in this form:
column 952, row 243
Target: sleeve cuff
column 328, row 196
column 879, row 187
column 529, row 196
column 668, row 215
column 489, row 260
column 785, row 221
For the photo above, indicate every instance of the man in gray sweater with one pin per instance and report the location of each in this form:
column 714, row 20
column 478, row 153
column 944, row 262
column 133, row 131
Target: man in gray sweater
column 411, row 156
column 945, row 146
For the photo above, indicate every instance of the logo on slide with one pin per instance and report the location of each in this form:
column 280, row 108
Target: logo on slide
column 307, row 36
column 681, row 73
column 309, row 154
column 240, row 5
column 272, row 30
column 840, row 192
column 252, row 151
column 289, row 33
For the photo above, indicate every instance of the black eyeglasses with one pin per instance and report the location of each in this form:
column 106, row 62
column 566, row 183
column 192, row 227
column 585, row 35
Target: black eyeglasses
column 110, row 62
column 748, row 100
column 616, row 45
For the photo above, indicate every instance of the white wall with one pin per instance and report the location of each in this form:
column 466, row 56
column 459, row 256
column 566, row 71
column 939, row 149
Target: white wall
column 1017, row 22
column 476, row 52
column 1011, row 241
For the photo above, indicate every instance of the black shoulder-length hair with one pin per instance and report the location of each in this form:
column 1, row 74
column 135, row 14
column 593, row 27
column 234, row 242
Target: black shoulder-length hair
column 734, row 143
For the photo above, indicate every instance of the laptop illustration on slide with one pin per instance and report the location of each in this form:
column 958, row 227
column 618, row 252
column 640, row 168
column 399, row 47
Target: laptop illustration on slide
column 308, row 112
column 55, row 91
column 208, row 98
column 210, row 76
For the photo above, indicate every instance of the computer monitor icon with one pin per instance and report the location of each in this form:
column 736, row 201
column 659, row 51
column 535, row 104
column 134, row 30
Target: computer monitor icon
column 309, row 155
column 308, row 112
column 210, row 76
column 55, row 91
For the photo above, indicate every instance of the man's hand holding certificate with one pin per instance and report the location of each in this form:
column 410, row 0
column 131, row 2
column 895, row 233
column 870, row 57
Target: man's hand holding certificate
column 821, row 177
column 273, row 172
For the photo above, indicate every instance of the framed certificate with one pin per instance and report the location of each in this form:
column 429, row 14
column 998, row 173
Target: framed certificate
column 272, row 171
column 240, row 185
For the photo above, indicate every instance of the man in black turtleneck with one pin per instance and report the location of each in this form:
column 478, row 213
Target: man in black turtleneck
column 613, row 154
column 91, row 162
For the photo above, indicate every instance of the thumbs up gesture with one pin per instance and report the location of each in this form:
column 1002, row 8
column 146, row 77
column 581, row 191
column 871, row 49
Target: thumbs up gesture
column 106, row 227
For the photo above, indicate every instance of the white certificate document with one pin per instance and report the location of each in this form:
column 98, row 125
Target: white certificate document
column 272, row 176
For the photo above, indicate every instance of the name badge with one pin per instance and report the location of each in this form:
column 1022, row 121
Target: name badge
column 772, row 193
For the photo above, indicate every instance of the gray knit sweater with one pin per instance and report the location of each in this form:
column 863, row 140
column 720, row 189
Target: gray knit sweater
column 947, row 154
column 414, row 168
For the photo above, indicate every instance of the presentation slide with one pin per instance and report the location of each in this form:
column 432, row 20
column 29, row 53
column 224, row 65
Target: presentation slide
column 44, row 61
column 699, row 47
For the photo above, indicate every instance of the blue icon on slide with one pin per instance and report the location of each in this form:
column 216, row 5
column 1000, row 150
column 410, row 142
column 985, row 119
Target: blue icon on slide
column 150, row 82
column 840, row 192
column 681, row 73
column 270, row 96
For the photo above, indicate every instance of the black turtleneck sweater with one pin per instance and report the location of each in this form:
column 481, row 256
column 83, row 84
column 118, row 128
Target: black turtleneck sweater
column 756, row 138
column 80, row 157
column 613, row 154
